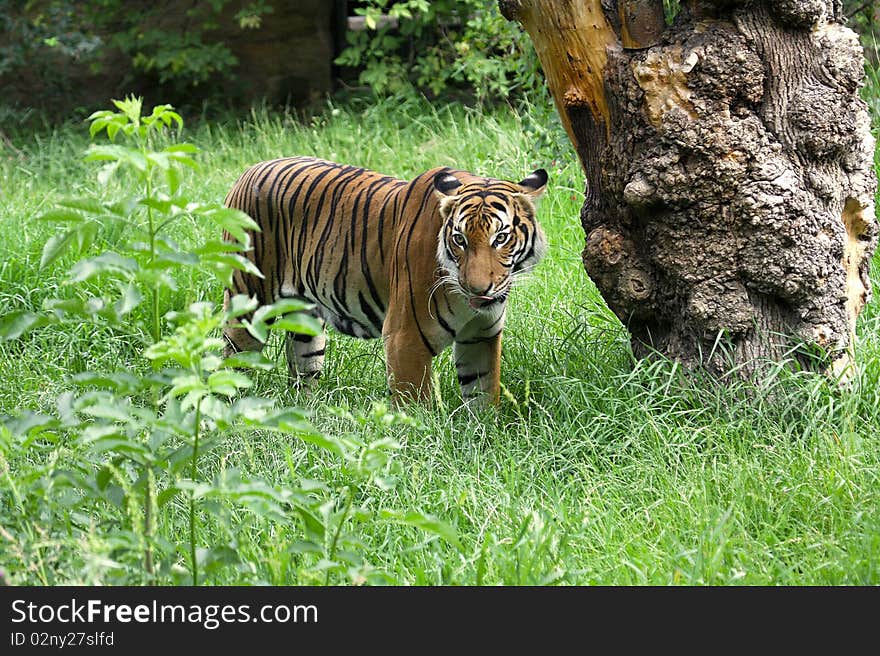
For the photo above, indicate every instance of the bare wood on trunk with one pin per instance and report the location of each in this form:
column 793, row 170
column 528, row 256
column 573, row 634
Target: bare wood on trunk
column 571, row 39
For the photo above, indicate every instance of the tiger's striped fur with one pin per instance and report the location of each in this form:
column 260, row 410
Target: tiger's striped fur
column 423, row 264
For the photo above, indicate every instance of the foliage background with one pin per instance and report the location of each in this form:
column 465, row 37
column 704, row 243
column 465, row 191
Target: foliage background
column 460, row 49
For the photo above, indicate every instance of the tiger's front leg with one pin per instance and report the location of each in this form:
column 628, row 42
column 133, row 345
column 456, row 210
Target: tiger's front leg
column 408, row 365
column 478, row 365
column 238, row 338
column 305, row 357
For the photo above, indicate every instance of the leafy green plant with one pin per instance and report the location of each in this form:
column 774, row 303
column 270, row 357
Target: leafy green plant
column 441, row 46
column 135, row 440
column 671, row 9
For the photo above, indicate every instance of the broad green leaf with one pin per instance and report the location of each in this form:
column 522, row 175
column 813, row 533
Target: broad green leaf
column 159, row 159
column 305, row 546
column 211, row 362
column 165, row 114
column 212, row 558
column 103, row 477
column 131, row 106
column 240, row 304
column 186, row 384
column 30, row 423
column 249, row 360
column 280, row 308
column 117, row 153
column 106, row 173
column 108, row 262
column 289, row 414
column 105, row 409
column 120, row 382
column 61, row 216
column 120, row 445
column 252, row 410
column 172, row 176
column 228, row 382
column 83, row 307
column 191, row 400
column 160, row 205
column 304, row 431
column 90, row 205
column 233, row 221
column 424, row 522
column 314, row 527
column 102, row 438
column 233, row 261
column 164, row 243
column 218, row 246
column 86, row 233
column 113, row 128
column 156, row 276
column 99, row 119
column 386, row 483
column 258, row 330
column 171, row 159
column 131, row 298
column 83, row 235
column 303, row 324
column 167, row 495
column 94, row 432
column 198, row 490
column 101, row 113
column 55, row 247
column 181, row 148
column 124, row 208
column 18, row 322
column 171, row 260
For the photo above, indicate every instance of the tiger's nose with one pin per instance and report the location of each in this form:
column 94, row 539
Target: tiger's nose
column 476, row 290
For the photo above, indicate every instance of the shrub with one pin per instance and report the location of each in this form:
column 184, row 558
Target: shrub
column 442, row 46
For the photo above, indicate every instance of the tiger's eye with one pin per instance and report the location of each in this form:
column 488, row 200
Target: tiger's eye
column 500, row 239
column 459, row 239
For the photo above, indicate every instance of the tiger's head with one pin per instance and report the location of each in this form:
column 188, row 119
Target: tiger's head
column 490, row 236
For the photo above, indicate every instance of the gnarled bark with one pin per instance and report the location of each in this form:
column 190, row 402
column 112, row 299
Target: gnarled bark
column 729, row 165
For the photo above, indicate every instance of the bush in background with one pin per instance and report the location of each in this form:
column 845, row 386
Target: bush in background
column 442, row 47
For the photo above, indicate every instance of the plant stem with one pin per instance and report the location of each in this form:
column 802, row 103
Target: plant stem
column 156, row 328
column 192, row 498
column 331, row 554
column 148, row 496
column 148, row 526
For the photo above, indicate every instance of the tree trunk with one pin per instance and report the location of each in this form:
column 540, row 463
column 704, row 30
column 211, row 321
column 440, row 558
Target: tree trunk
column 729, row 212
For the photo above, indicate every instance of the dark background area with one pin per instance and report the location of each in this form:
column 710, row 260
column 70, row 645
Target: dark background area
column 60, row 56
column 64, row 58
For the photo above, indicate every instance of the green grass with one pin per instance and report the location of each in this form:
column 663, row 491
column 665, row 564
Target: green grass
column 593, row 471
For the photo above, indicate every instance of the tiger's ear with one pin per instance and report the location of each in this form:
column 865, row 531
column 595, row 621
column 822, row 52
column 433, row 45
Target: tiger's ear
column 535, row 183
column 445, row 183
column 445, row 186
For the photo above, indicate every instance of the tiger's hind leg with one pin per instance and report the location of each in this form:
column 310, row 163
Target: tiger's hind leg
column 305, row 356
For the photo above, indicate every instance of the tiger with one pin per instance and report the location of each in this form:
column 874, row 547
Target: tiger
column 423, row 264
